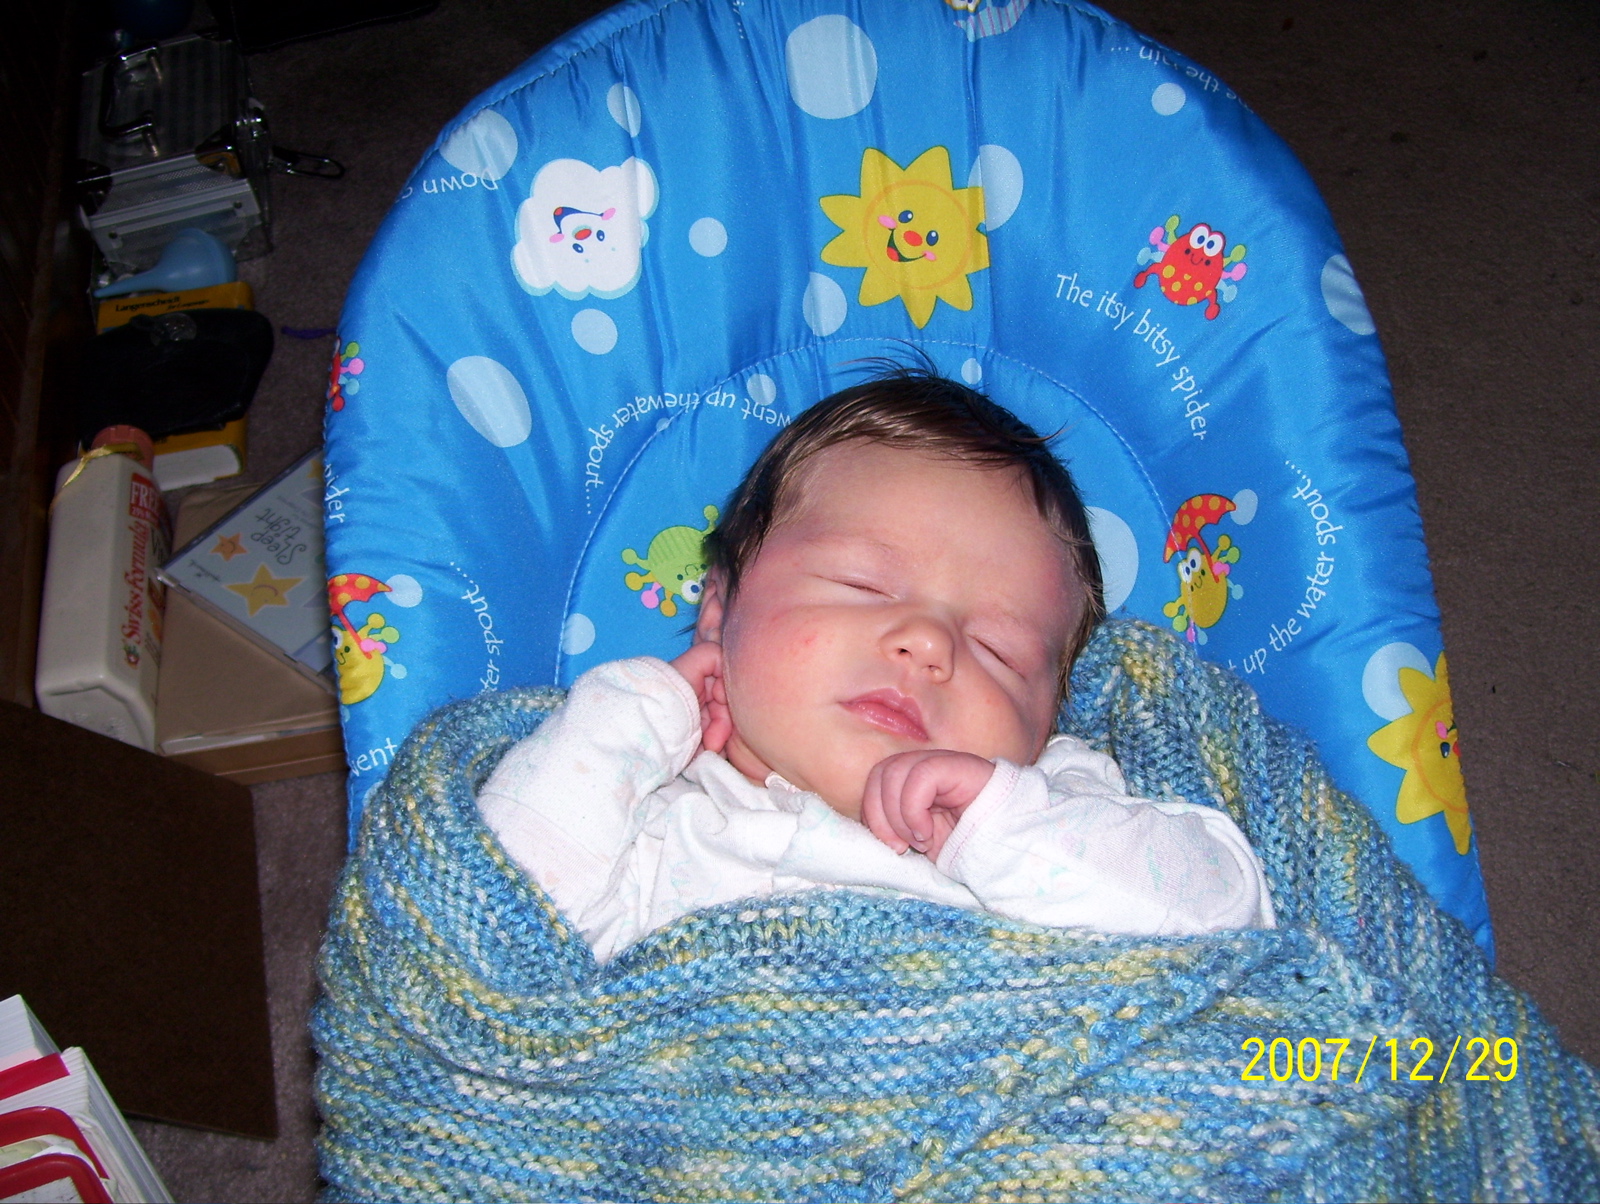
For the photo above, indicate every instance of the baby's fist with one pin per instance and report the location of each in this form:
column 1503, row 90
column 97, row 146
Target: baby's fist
column 914, row 800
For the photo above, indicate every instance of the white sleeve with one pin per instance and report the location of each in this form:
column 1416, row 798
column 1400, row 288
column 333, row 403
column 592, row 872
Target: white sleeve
column 563, row 801
column 1063, row 844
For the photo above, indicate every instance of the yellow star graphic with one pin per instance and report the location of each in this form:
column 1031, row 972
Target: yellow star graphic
column 914, row 232
column 1423, row 743
column 228, row 546
column 265, row 589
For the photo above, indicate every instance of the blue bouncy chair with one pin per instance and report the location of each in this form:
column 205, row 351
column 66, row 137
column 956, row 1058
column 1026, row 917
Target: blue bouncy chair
column 621, row 270
column 614, row 277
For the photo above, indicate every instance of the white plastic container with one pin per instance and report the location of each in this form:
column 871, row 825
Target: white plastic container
column 100, row 626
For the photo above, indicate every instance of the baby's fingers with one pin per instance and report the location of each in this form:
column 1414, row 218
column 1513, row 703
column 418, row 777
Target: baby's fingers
column 701, row 667
column 873, row 812
column 918, row 791
column 901, row 810
column 716, row 723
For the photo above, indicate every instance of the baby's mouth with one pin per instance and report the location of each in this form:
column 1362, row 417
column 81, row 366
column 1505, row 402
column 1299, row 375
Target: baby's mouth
column 892, row 712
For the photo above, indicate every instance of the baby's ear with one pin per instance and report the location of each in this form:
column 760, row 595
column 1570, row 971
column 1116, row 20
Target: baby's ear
column 708, row 626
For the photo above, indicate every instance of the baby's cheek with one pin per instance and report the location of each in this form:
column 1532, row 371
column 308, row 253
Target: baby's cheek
column 780, row 647
column 1017, row 727
column 765, row 669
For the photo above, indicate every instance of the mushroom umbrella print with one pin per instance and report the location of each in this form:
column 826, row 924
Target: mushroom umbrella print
column 1205, row 580
column 359, row 678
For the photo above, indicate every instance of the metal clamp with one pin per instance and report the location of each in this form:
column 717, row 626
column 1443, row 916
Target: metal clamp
column 128, row 66
column 300, row 163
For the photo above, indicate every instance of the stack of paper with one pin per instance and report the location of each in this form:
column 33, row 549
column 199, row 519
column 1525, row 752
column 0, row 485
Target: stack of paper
column 61, row 1137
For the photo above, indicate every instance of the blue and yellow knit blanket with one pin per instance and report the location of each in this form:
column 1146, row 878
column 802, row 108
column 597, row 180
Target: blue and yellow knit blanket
column 834, row 1046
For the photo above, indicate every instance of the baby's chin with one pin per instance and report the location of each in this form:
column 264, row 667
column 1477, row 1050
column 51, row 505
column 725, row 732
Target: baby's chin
column 842, row 789
column 842, row 786
column 849, row 805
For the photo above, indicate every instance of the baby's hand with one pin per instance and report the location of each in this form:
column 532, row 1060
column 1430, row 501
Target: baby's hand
column 914, row 800
column 701, row 667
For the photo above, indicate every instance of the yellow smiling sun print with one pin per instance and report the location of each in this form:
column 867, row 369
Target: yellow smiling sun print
column 914, row 232
column 1424, row 744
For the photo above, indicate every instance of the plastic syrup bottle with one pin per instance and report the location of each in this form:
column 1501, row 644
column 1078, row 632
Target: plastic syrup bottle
column 100, row 627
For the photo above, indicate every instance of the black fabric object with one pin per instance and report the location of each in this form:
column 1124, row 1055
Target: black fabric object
column 256, row 25
column 169, row 373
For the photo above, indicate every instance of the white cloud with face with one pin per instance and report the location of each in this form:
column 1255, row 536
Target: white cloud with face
column 581, row 229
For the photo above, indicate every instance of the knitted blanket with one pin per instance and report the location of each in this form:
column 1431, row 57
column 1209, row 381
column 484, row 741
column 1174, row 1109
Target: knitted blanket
column 836, row 1046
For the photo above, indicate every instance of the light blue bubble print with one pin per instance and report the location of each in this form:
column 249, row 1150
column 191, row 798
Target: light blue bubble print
column 999, row 173
column 623, row 105
column 762, row 388
column 1119, row 555
column 972, row 372
column 1245, row 504
column 708, row 237
column 577, row 634
column 485, row 147
column 404, row 590
column 1380, row 680
column 833, row 68
column 1168, row 98
column 490, row 399
column 824, row 306
column 594, row 331
column 1342, row 295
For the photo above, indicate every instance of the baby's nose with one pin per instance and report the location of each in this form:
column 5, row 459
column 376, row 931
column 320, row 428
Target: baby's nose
column 925, row 644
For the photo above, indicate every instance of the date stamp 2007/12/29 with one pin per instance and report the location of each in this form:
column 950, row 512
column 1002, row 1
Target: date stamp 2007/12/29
column 1484, row 1060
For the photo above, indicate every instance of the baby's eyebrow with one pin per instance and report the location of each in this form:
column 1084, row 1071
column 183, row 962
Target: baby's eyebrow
column 1012, row 620
column 1014, row 629
column 853, row 541
column 1010, row 625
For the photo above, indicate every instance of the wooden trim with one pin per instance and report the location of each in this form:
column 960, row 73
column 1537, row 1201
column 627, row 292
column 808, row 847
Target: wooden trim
column 34, row 400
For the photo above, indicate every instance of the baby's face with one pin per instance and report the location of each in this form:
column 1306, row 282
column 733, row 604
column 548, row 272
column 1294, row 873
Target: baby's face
column 904, row 602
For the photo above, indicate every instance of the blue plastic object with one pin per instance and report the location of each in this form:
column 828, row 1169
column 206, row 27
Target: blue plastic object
column 621, row 270
column 193, row 259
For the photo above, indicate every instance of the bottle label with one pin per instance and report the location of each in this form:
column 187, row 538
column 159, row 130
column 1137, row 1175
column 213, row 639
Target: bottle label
column 144, row 500
column 146, row 598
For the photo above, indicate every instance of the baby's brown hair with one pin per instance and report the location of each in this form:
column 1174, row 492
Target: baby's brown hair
column 914, row 409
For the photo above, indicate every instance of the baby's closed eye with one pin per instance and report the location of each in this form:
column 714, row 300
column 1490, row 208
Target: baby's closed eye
column 861, row 586
column 1007, row 657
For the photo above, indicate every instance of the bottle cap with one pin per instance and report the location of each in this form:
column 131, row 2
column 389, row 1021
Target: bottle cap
column 129, row 440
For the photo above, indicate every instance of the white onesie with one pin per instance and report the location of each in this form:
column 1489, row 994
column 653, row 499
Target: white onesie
column 616, row 812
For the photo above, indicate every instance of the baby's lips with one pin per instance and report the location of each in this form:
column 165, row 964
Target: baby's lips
column 891, row 711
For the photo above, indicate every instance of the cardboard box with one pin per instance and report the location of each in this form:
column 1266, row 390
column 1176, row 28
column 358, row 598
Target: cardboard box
column 224, row 704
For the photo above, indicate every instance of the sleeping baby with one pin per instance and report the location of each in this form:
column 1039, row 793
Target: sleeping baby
column 893, row 602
